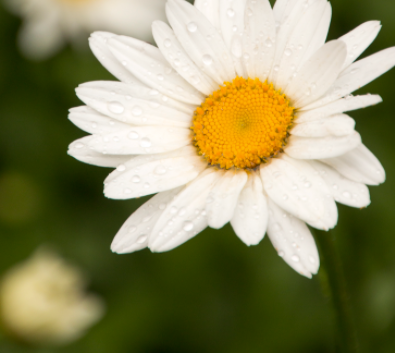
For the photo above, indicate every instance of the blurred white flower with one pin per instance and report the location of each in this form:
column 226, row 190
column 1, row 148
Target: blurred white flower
column 48, row 24
column 42, row 301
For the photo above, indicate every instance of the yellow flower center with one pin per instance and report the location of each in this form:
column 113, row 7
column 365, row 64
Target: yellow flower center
column 242, row 124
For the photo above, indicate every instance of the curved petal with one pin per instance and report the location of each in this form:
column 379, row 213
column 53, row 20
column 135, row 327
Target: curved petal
column 337, row 125
column 251, row 216
column 339, row 106
column 91, row 121
column 98, row 44
column 317, row 74
column 79, row 150
column 210, row 9
column 358, row 75
column 200, row 40
column 232, row 26
column 293, row 241
column 148, row 65
column 222, row 200
column 295, row 187
column 121, row 102
column 141, row 140
column 359, row 39
column 145, row 175
column 180, row 60
column 307, row 37
column 134, row 233
column 343, row 190
column 184, row 216
column 321, row 147
column 359, row 165
column 259, row 39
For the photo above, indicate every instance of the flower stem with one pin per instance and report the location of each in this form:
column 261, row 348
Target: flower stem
column 334, row 285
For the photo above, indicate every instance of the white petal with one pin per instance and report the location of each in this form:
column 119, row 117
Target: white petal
column 343, row 190
column 135, row 232
column 291, row 14
column 339, row 106
column 184, row 216
column 293, row 241
column 358, row 75
column 222, row 200
column 210, row 9
column 201, row 40
column 89, row 120
column 148, row 65
column 98, row 43
column 140, row 92
column 141, row 140
column 279, row 9
column 359, row 165
column 296, row 188
column 180, row 60
column 251, row 215
column 337, row 125
column 145, row 175
column 118, row 100
column 259, row 39
column 307, row 37
column 317, row 74
column 232, row 26
column 359, row 39
column 79, row 150
column 321, row 147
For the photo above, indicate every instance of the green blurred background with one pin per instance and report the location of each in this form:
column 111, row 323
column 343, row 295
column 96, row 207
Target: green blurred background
column 212, row 294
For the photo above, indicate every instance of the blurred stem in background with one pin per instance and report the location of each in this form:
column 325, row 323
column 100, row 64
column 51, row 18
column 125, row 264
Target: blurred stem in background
column 334, row 286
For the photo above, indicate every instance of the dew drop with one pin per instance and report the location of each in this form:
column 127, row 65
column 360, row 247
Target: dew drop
column 268, row 43
column 281, row 253
column 312, row 259
column 307, row 185
column 136, row 179
column 121, row 168
column 132, row 229
column 167, row 43
column 142, row 239
column 288, row 52
column 230, row 13
column 276, row 68
column 295, row 258
column 207, row 60
column 188, row 226
column 127, row 191
column 160, row 77
column 160, row 170
column 162, row 206
column 346, row 194
column 173, row 210
column 116, row 107
column 192, row 27
column 145, row 142
column 133, row 135
column 146, row 186
column 79, row 145
column 137, row 111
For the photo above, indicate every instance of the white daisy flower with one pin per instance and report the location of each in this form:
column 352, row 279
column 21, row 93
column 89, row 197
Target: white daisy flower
column 48, row 24
column 237, row 117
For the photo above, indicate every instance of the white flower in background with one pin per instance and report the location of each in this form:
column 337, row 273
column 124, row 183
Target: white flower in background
column 42, row 301
column 237, row 117
column 48, row 24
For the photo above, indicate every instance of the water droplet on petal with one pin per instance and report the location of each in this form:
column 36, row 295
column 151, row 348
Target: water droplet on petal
column 79, row 145
column 230, row 13
column 346, row 194
column 145, row 142
column 137, row 111
column 192, row 27
column 281, row 253
column 121, row 168
column 295, row 258
column 116, row 107
column 160, row 170
column 207, row 60
column 188, row 226
column 136, row 179
column 167, row 43
column 288, row 52
column 142, row 239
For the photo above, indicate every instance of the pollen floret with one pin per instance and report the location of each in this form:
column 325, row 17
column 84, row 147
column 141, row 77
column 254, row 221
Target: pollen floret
column 242, row 124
